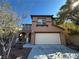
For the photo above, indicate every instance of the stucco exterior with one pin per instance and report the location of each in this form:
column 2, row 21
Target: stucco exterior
column 50, row 28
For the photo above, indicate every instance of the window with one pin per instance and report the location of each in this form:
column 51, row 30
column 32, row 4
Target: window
column 26, row 27
column 41, row 22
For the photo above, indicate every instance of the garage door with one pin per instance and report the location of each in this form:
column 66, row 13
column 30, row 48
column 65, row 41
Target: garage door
column 47, row 38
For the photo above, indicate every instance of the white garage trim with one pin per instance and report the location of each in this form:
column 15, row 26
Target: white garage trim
column 47, row 38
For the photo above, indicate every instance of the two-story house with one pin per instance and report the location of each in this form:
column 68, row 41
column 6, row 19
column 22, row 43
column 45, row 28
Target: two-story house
column 44, row 31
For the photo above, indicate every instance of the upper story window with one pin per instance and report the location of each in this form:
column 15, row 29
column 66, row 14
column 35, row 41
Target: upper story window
column 41, row 22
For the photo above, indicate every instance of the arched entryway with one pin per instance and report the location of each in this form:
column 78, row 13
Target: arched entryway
column 22, row 37
column 25, row 37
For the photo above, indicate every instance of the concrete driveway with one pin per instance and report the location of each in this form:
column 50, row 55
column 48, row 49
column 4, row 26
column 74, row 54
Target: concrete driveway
column 52, row 52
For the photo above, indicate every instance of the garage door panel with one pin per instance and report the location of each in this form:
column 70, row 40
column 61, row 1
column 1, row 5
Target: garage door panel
column 47, row 38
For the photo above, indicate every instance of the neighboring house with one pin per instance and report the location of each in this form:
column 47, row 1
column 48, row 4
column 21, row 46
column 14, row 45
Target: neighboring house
column 45, row 32
column 27, row 28
column 25, row 33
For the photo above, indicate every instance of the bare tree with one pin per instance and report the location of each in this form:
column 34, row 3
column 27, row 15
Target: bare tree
column 8, row 31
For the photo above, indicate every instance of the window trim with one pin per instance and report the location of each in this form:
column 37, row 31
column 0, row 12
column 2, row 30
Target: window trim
column 42, row 22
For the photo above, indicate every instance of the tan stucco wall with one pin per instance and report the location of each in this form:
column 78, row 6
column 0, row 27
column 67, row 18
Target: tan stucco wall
column 62, row 37
column 49, row 29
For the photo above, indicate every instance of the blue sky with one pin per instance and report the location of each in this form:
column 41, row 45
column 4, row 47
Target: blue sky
column 36, row 7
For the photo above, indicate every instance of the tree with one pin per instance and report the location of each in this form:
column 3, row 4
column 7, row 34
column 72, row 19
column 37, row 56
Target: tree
column 8, row 29
column 69, row 11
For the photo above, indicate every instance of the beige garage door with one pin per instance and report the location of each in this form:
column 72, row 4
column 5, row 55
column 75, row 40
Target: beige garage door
column 47, row 38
